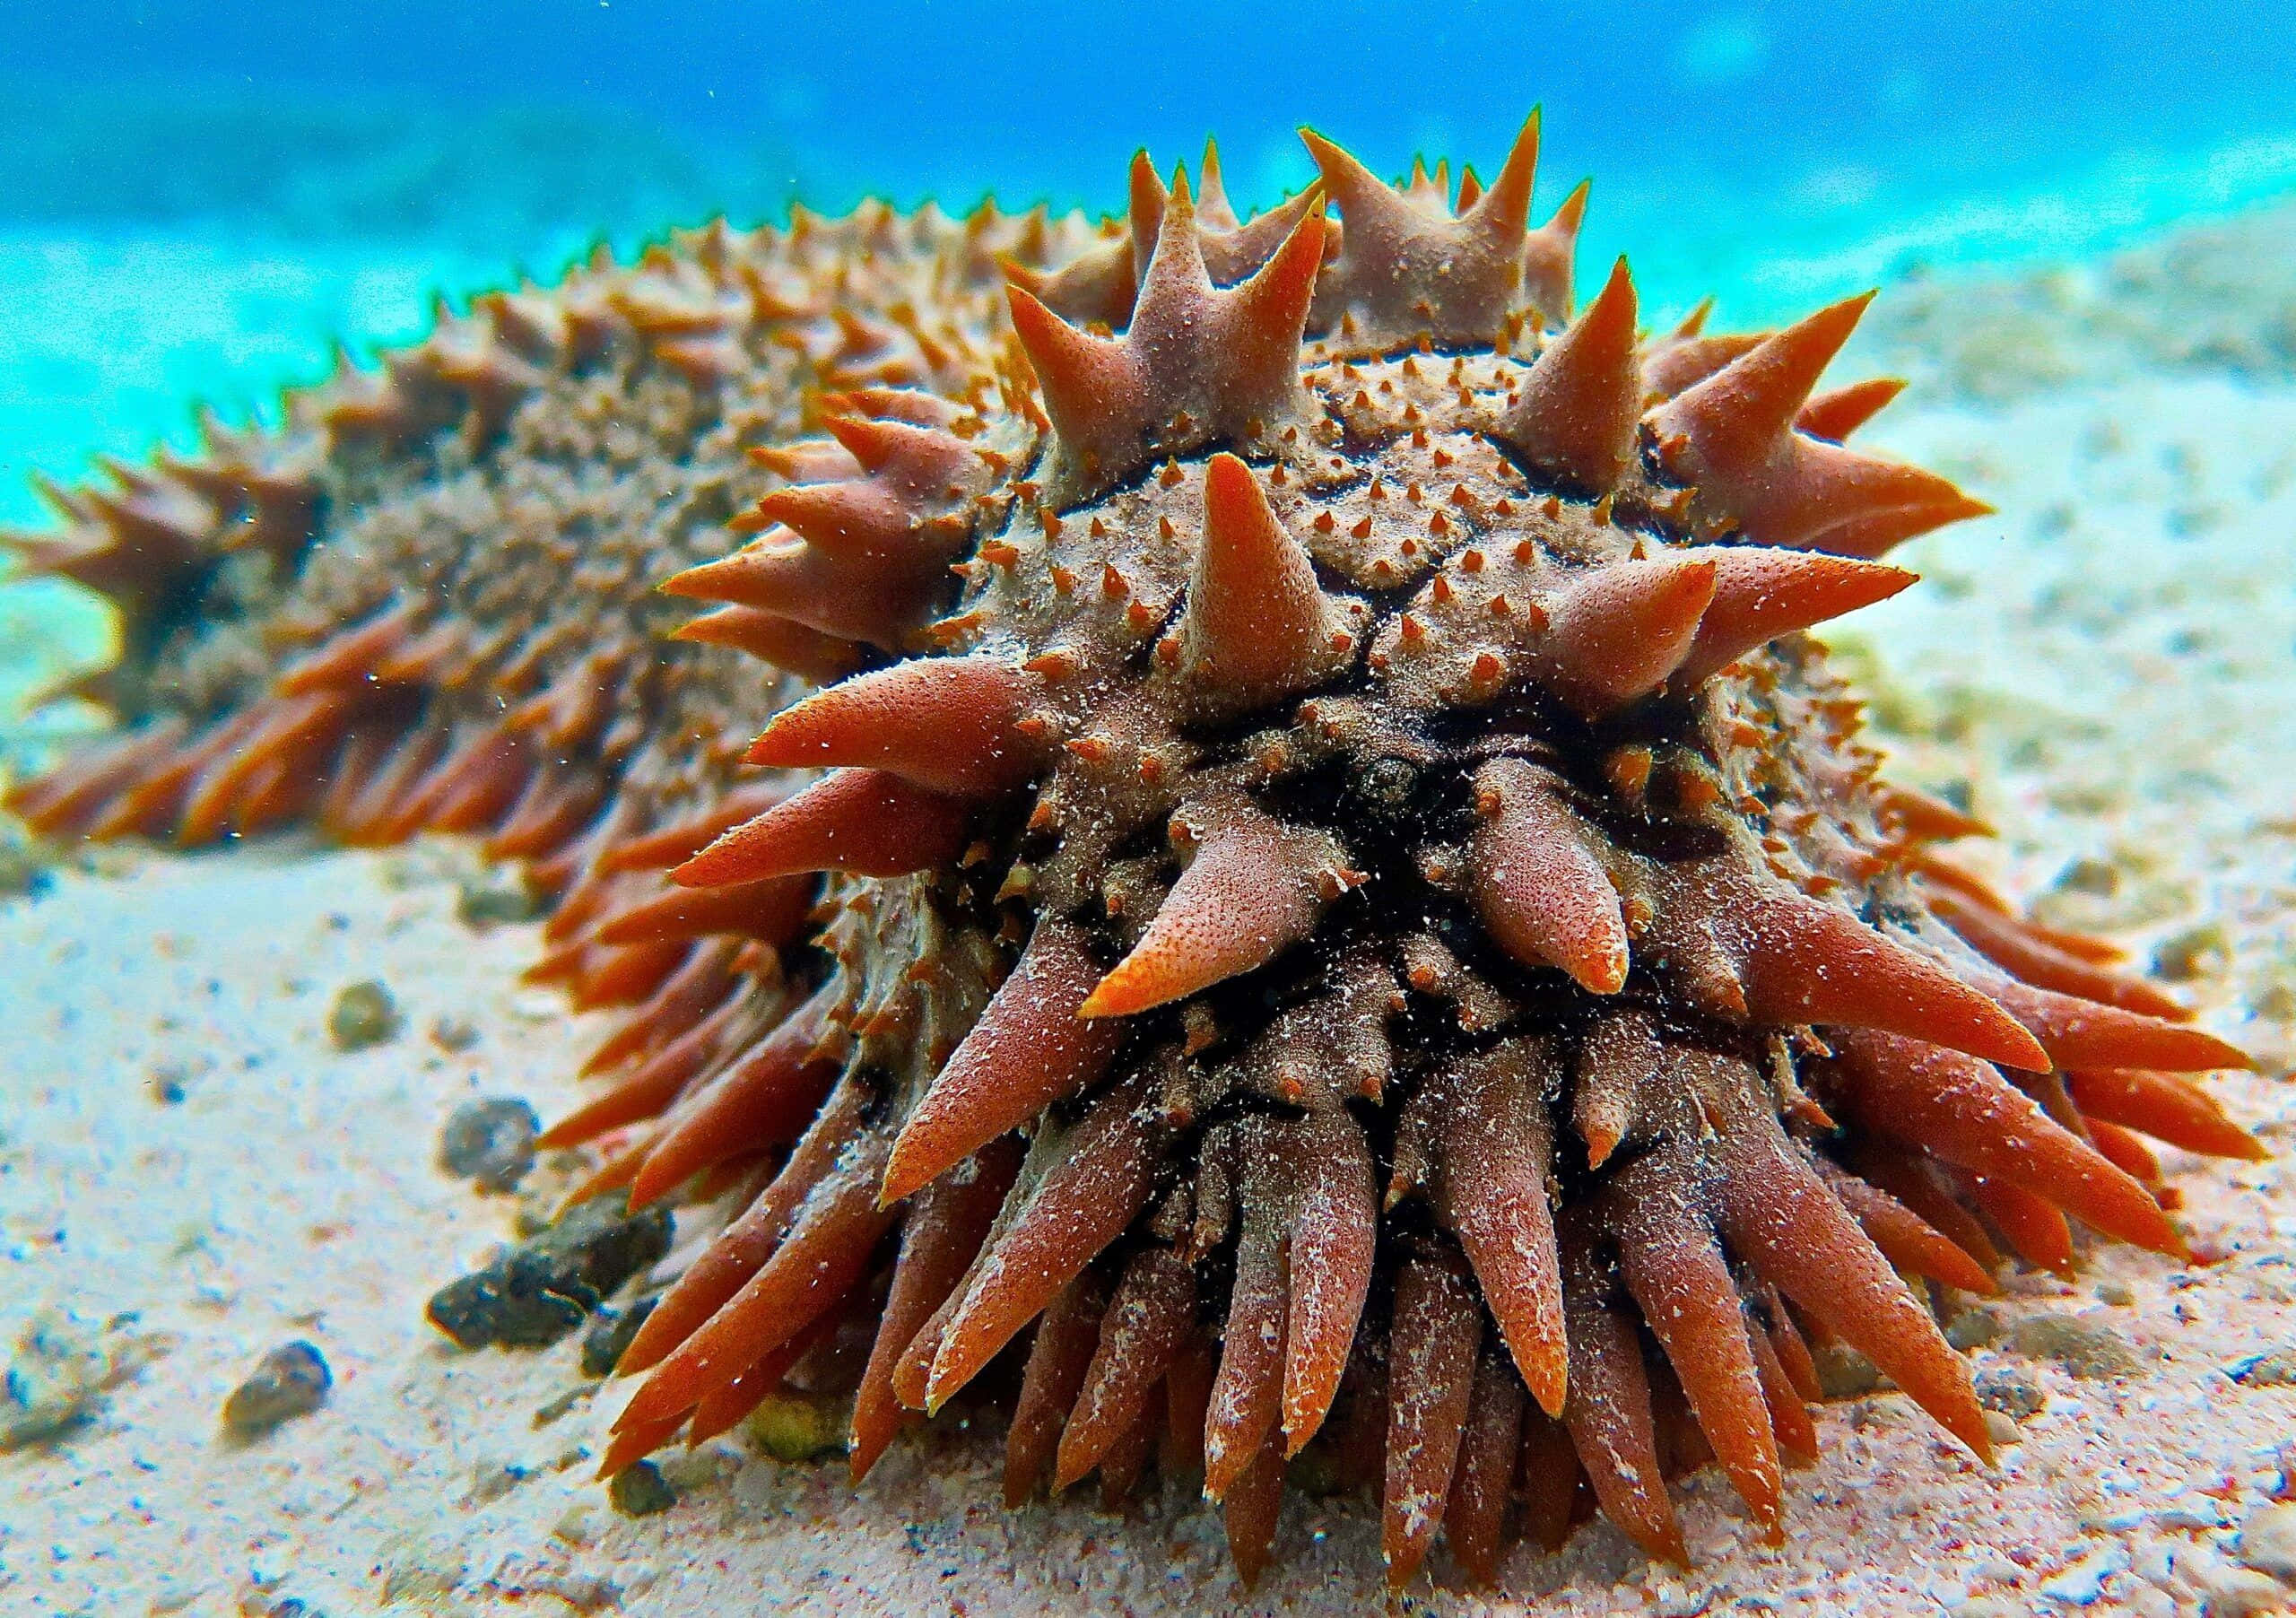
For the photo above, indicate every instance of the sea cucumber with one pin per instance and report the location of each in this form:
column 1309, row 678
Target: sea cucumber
column 1343, row 910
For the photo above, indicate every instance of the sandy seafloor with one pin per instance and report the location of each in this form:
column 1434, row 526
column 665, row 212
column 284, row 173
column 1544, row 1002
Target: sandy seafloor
column 2110, row 667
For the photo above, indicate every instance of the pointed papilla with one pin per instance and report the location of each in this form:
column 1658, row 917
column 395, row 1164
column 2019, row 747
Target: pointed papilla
column 1574, row 417
column 1028, row 1049
column 1620, row 628
column 867, row 821
column 1251, row 892
column 1100, row 1179
column 1733, row 438
column 1258, row 628
column 1761, row 593
column 1538, row 881
column 949, row 724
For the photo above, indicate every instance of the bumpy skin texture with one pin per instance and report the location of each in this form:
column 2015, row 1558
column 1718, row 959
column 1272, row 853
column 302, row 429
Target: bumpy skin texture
column 1347, row 937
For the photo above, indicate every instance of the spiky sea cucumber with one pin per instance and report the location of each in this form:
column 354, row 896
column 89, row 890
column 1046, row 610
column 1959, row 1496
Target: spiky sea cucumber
column 1342, row 911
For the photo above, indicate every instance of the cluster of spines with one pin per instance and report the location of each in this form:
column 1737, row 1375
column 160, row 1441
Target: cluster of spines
column 1685, row 501
column 1476, row 1141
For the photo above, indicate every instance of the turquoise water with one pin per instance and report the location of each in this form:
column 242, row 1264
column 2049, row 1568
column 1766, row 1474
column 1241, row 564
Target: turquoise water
column 196, row 205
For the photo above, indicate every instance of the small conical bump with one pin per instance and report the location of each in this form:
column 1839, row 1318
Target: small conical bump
column 1098, row 1181
column 1258, row 628
column 1675, row 1271
column 1075, row 371
column 1609, row 1416
column 1619, row 629
column 1153, row 1308
column 1503, row 210
column 2034, row 961
column 1213, row 208
column 1144, row 201
column 1334, row 1236
column 1619, row 1063
column 1780, row 1220
column 1250, row 893
column 1098, row 284
column 952, row 724
column 1432, row 1350
column 1540, row 887
column 2080, row 1032
column 1674, row 365
column 1574, row 417
column 1803, row 960
column 1489, row 1118
column 1761, row 593
column 1911, row 1244
column 874, row 597
column 922, row 459
column 2167, row 1107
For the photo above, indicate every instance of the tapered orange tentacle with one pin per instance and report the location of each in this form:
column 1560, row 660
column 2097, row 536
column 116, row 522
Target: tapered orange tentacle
column 945, row 1226
column 1028, row 1049
column 1431, row 1361
column 1674, row 1268
column 2166, row 1106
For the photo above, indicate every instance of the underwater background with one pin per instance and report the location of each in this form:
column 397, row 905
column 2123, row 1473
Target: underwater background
column 196, row 201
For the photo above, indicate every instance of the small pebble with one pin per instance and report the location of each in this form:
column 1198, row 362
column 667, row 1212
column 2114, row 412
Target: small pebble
column 489, row 1142
column 2010, row 1391
column 2268, row 1541
column 1974, row 1327
column 419, row 1567
column 551, row 1409
column 2000, row 1429
column 1844, row 1373
column 2086, row 1348
column 609, row 1334
column 495, row 897
column 363, row 1015
column 544, row 1289
column 2084, row 1583
column 490, row 1481
column 2097, row 876
column 23, row 870
column 2195, row 953
column 168, row 1083
column 54, row 1383
column 638, row 1489
column 794, row 1427
column 289, row 1381
column 453, row 1035
column 584, row 1592
column 2274, row 1370
column 2117, row 1294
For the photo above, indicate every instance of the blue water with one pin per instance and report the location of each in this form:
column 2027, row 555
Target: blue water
column 1781, row 114
column 197, row 199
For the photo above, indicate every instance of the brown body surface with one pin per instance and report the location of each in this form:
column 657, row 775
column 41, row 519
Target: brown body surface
column 1249, row 863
